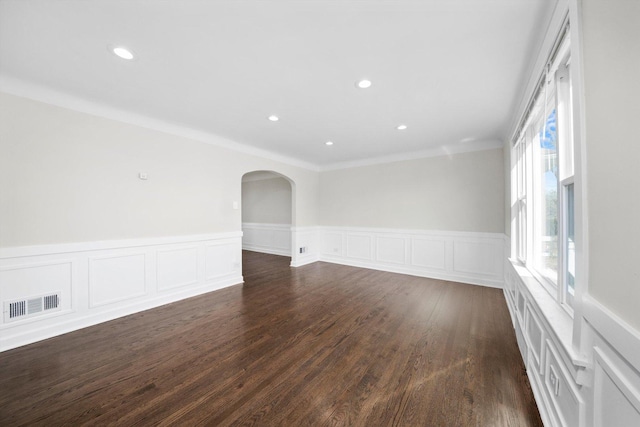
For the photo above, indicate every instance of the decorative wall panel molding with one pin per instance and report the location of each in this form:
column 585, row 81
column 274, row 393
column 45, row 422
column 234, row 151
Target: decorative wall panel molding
column 101, row 281
column 617, row 395
column 466, row 257
column 272, row 239
column 115, row 278
column 305, row 241
column 36, row 277
column 475, row 258
column 177, row 267
column 595, row 386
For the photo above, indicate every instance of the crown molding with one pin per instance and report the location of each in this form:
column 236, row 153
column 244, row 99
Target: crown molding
column 443, row 150
column 21, row 88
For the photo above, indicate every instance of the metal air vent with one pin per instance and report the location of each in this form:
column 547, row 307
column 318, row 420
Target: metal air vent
column 29, row 307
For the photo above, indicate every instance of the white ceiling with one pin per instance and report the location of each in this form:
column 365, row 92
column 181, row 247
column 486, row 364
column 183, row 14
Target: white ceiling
column 451, row 70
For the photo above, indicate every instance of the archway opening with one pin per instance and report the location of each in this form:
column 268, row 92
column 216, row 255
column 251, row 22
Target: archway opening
column 268, row 213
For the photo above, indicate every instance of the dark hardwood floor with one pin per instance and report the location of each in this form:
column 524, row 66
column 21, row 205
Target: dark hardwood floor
column 317, row 345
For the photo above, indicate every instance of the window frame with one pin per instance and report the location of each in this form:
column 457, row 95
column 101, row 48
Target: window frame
column 566, row 167
column 521, row 200
column 526, row 152
column 541, row 115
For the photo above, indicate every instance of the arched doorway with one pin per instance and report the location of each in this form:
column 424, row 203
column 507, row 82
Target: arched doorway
column 268, row 213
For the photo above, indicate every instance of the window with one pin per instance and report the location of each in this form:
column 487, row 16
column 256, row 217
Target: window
column 521, row 203
column 543, row 209
column 546, row 199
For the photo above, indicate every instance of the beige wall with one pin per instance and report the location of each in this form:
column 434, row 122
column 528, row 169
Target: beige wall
column 462, row 192
column 266, row 201
column 72, row 177
column 611, row 58
column 67, row 176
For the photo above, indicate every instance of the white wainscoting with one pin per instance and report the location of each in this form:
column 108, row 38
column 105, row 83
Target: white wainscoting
column 466, row 257
column 100, row 281
column 597, row 386
column 305, row 242
column 272, row 239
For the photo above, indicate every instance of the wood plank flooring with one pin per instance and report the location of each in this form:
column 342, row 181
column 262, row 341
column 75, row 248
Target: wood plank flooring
column 320, row 345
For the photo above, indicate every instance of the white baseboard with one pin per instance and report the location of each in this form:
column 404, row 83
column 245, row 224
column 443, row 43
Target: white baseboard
column 266, row 250
column 467, row 257
column 304, row 260
column 101, row 281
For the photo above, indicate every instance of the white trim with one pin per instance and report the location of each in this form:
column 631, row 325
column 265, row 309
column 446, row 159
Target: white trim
column 50, row 249
column 609, row 346
column 298, row 237
column 305, row 260
column 551, row 32
column 304, row 237
column 531, row 316
column 165, row 252
column 266, row 250
column 562, row 409
column 66, row 323
column 556, row 322
column 274, row 239
column 443, row 150
column 624, row 338
column 542, row 400
column 416, row 232
column 36, row 264
column 92, row 277
column 581, row 195
column 21, row 88
column 465, row 257
column 81, row 282
column 626, row 386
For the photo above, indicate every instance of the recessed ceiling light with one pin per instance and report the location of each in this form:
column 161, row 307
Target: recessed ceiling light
column 328, row 143
column 123, row 52
column 364, row 84
column 274, row 118
column 401, row 127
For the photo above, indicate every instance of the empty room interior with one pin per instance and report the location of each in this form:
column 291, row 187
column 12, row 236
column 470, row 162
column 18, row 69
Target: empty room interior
column 286, row 213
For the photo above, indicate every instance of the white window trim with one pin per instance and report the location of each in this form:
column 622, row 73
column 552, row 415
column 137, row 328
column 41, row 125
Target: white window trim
column 562, row 233
column 533, row 119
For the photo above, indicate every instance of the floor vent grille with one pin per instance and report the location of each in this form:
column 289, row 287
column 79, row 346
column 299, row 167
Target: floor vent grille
column 29, row 307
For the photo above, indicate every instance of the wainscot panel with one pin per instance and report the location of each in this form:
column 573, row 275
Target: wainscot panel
column 466, row 257
column 592, row 384
column 305, row 241
column 272, row 239
column 177, row 267
column 116, row 278
column 94, row 282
